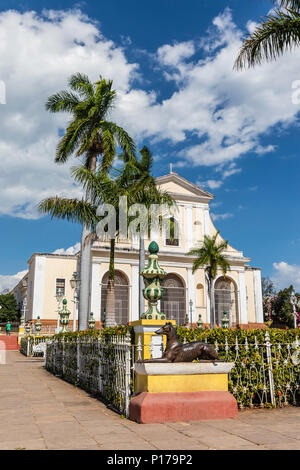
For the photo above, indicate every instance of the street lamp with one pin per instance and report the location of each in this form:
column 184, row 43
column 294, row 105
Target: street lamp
column 59, row 297
column 294, row 302
column 75, row 283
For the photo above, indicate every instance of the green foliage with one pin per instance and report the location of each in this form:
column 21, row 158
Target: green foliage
column 89, row 132
column 9, row 310
column 282, row 308
column 211, row 255
column 249, row 379
column 277, row 33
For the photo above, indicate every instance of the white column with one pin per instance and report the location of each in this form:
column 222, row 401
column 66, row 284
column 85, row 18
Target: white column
column 38, row 287
column 206, row 221
column 243, row 314
column 258, row 296
column 134, row 294
column 191, row 293
column 188, row 227
column 95, row 306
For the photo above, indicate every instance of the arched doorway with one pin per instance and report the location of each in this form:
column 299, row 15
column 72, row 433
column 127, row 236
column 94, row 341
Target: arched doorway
column 226, row 299
column 121, row 297
column 173, row 302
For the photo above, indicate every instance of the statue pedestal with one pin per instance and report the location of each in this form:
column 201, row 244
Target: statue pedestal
column 182, row 391
column 144, row 330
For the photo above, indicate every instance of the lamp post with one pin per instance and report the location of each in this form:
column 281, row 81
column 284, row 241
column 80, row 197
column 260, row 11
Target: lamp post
column 59, row 297
column 75, row 283
column 294, row 302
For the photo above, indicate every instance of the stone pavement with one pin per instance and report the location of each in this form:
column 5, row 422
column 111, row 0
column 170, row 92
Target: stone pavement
column 40, row 411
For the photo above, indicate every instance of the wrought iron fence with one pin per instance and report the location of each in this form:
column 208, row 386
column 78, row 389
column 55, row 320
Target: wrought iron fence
column 33, row 345
column 100, row 365
column 265, row 374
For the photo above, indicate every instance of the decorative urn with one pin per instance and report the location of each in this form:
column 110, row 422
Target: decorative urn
column 27, row 328
column 92, row 321
column 64, row 315
column 225, row 320
column 153, row 274
column 38, row 325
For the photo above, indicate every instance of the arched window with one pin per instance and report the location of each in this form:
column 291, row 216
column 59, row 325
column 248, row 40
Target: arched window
column 200, row 295
column 172, row 233
column 121, row 297
column 173, row 302
column 226, row 299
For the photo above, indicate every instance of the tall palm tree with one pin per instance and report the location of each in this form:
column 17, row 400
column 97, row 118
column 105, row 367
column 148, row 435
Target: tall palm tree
column 89, row 134
column 211, row 256
column 102, row 189
column 277, row 33
column 144, row 191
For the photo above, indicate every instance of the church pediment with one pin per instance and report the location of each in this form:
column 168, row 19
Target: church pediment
column 183, row 189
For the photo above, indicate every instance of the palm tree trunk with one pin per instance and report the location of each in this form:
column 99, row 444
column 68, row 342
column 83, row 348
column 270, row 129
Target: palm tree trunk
column 212, row 302
column 110, row 319
column 141, row 279
column 85, row 262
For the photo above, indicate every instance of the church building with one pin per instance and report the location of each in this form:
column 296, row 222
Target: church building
column 184, row 293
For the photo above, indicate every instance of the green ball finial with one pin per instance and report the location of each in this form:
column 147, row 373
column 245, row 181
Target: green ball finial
column 65, row 301
column 153, row 248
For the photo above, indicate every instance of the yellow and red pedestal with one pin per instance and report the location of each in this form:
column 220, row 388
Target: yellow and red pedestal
column 183, row 391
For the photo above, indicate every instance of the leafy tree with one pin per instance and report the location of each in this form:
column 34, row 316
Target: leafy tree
column 211, row 256
column 9, row 310
column 267, row 286
column 282, row 310
column 277, row 33
column 89, row 134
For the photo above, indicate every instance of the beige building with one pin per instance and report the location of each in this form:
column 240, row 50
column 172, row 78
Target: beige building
column 239, row 293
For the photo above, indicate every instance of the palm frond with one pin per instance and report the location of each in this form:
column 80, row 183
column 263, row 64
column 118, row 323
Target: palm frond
column 80, row 83
column 62, row 101
column 73, row 210
column 292, row 4
column 278, row 33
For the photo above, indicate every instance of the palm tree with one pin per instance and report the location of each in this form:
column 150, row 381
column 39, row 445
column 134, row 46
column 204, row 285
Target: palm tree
column 89, row 134
column 279, row 32
column 144, row 191
column 102, row 189
column 211, row 256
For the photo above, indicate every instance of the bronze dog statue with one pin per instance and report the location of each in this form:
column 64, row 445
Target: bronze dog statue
column 178, row 352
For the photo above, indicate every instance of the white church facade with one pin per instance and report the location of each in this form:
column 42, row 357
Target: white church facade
column 184, row 293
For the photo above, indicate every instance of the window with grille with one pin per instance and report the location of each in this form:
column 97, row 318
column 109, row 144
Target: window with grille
column 60, row 286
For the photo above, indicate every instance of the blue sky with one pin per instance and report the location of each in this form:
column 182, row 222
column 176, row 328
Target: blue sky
column 234, row 133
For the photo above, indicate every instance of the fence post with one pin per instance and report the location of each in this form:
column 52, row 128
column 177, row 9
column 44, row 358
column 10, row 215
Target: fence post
column 63, row 356
column 269, row 359
column 127, row 371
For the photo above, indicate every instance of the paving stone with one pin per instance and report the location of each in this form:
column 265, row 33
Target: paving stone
column 41, row 411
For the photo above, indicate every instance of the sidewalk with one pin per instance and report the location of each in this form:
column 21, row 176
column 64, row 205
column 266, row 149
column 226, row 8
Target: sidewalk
column 40, row 411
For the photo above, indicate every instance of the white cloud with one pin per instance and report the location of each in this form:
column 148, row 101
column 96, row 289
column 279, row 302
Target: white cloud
column 285, row 275
column 174, row 55
column 211, row 184
column 72, row 250
column 9, row 282
column 37, row 56
column 225, row 111
column 226, row 215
